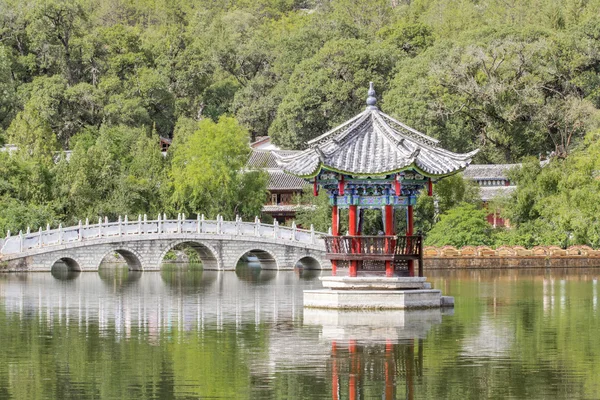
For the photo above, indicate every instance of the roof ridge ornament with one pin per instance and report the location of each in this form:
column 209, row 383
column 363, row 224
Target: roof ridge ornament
column 371, row 100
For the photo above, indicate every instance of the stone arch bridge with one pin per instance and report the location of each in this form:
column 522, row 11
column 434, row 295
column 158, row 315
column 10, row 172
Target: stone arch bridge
column 143, row 244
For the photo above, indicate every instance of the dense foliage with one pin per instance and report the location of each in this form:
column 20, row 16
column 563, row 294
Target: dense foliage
column 105, row 78
column 461, row 226
column 558, row 203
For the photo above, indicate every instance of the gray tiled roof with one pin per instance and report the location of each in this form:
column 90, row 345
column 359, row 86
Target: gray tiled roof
column 283, row 181
column 374, row 143
column 266, row 158
column 489, row 192
column 488, row 171
column 284, row 207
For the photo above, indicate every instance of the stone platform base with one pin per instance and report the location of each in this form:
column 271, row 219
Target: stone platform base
column 374, row 283
column 375, row 299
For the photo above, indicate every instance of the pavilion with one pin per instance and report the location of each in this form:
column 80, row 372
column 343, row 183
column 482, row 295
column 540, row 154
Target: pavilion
column 374, row 161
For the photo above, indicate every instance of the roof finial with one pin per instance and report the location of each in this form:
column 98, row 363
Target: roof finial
column 371, row 100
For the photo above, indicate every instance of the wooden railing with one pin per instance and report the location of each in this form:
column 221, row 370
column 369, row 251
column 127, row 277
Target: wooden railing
column 375, row 245
column 409, row 246
column 375, row 250
column 364, row 245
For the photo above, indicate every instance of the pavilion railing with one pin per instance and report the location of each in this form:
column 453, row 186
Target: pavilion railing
column 375, row 250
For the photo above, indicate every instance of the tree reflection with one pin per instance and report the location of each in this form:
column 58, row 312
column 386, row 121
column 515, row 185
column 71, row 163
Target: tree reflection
column 187, row 278
column 307, row 274
column 118, row 276
column 253, row 273
column 63, row 273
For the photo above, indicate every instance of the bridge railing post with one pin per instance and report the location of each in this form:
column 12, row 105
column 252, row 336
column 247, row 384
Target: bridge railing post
column 178, row 223
column 120, row 226
column 275, row 229
column 158, row 230
column 218, row 224
column 312, row 234
column 256, row 226
column 79, row 231
column 294, row 230
column 198, row 224
column 139, row 232
column 145, row 224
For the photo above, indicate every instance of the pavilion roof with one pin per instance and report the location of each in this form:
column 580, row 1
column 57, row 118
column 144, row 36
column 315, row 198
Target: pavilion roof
column 373, row 143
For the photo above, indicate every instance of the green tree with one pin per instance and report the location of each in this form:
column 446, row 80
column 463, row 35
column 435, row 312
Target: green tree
column 329, row 88
column 33, row 136
column 114, row 171
column 557, row 203
column 463, row 225
column 207, row 172
column 54, row 29
column 447, row 193
column 313, row 210
column 8, row 90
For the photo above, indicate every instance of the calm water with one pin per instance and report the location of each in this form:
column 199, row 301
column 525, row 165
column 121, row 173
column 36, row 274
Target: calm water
column 188, row 334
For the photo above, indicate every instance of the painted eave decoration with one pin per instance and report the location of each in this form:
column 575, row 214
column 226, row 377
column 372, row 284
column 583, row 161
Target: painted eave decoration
column 374, row 144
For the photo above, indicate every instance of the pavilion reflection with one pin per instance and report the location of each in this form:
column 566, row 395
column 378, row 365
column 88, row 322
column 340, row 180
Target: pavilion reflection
column 366, row 346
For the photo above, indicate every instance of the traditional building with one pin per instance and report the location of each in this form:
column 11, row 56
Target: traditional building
column 284, row 189
column 493, row 182
column 373, row 161
column 165, row 143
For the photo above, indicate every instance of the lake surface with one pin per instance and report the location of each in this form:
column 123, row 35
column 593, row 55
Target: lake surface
column 187, row 334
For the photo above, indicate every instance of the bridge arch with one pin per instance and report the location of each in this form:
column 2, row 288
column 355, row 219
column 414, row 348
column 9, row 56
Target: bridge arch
column 206, row 252
column 132, row 258
column 72, row 264
column 309, row 262
column 266, row 258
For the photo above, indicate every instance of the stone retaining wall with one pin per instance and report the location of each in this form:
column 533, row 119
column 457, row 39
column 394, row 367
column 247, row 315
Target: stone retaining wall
column 483, row 257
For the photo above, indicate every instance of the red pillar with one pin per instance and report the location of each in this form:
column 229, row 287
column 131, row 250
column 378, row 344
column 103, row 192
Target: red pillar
column 352, row 215
column 389, row 231
column 410, row 232
column 335, row 231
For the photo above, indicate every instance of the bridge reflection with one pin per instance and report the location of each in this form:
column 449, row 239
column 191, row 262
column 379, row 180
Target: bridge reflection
column 154, row 303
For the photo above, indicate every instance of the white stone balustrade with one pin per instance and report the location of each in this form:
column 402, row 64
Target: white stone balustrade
column 162, row 226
